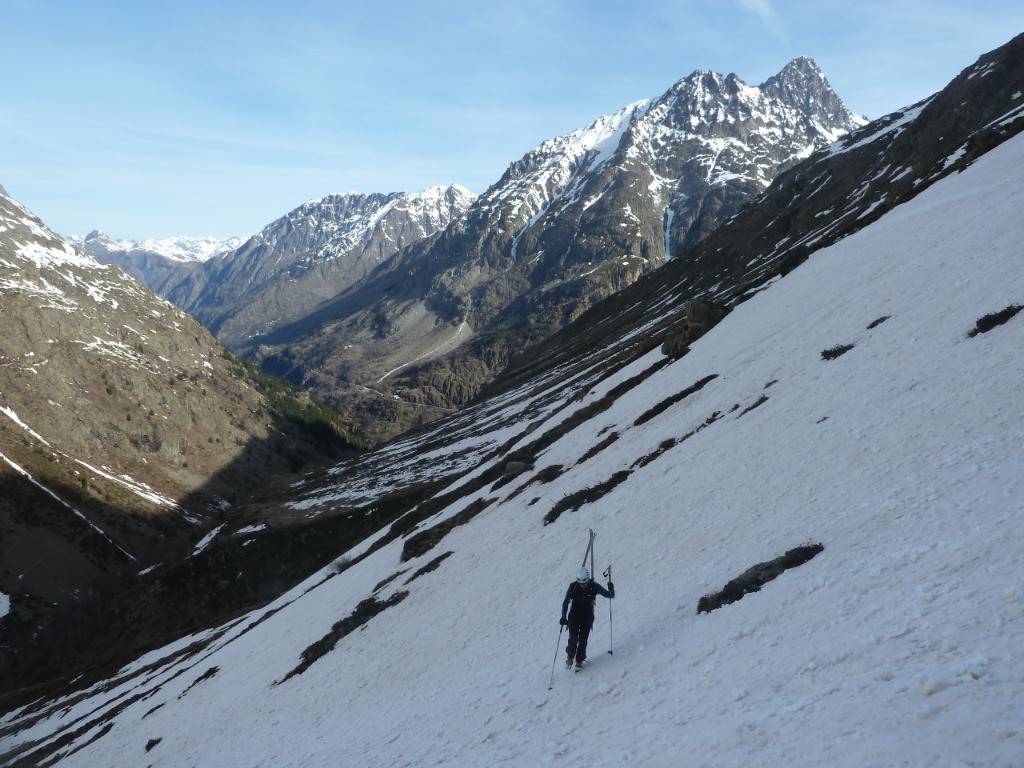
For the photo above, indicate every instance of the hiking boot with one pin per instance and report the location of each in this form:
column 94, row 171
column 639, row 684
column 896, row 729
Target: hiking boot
column 568, row 662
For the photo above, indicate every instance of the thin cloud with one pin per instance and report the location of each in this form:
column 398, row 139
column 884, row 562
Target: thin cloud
column 767, row 15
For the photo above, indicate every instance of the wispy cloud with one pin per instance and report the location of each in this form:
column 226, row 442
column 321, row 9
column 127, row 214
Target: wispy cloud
column 767, row 14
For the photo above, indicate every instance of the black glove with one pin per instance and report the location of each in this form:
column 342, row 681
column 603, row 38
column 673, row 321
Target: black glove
column 611, row 587
column 563, row 621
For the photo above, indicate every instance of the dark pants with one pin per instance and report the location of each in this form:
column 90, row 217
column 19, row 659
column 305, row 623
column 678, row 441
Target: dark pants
column 579, row 631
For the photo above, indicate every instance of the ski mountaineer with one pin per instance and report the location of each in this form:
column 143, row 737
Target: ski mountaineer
column 582, row 594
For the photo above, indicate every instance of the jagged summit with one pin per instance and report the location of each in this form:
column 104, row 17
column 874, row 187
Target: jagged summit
column 802, row 68
column 704, row 105
column 342, row 211
column 802, row 84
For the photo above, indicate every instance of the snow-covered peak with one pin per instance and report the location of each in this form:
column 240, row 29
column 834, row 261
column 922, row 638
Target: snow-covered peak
column 738, row 134
column 700, row 79
column 179, row 249
column 190, row 248
column 542, row 175
column 435, row 205
column 439, row 192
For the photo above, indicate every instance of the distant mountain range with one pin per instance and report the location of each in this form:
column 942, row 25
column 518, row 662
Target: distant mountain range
column 153, row 261
column 180, row 249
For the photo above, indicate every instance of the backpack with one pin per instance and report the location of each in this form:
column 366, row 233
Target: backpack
column 583, row 599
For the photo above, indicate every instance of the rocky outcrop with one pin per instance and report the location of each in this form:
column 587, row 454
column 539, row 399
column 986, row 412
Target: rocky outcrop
column 701, row 317
column 755, row 577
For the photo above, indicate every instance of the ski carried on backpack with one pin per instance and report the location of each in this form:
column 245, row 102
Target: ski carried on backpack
column 590, row 551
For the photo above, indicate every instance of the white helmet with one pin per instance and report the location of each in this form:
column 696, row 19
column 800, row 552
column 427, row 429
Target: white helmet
column 583, row 575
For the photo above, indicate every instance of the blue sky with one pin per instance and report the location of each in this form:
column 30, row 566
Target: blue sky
column 158, row 119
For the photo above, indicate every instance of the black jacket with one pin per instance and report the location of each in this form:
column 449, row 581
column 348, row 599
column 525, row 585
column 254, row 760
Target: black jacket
column 583, row 597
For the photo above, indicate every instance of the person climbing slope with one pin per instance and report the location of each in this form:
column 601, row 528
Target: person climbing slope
column 578, row 614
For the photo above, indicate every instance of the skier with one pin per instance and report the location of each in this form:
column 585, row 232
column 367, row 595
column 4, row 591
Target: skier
column 582, row 594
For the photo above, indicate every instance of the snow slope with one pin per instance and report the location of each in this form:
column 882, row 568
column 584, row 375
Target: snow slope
column 898, row 645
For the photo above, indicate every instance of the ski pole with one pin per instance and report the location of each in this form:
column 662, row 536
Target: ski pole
column 551, row 682
column 611, row 636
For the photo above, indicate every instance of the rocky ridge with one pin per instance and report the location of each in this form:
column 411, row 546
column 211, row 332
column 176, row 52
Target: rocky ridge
column 306, row 257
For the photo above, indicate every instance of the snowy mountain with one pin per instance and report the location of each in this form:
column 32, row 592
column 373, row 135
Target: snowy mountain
column 181, row 249
column 869, row 401
column 126, row 431
column 307, row 256
column 153, row 261
column 668, row 165
column 573, row 221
